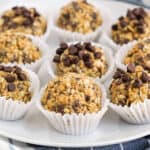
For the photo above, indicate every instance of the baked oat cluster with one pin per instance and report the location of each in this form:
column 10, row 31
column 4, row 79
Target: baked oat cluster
column 24, row 20
column 130, row 87
column 81, row 58
column 135, row 25
column 79, row 16
column 140, row 55
column 17, row 48
column 14, row 83
column 72, row 93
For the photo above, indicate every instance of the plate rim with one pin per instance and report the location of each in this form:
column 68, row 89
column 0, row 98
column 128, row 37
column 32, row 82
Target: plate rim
column 77, row 145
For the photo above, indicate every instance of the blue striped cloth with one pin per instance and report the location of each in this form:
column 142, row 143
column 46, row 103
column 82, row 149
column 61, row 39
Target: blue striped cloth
column 139, row 144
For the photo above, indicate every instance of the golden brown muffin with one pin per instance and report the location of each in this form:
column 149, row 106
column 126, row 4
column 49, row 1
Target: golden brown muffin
column 130, row 87
column 135, row 25
column 81, row 58
column 72, row 93
column 17, row 48
column 24, row 20
column 14, row 83
column 79, row 16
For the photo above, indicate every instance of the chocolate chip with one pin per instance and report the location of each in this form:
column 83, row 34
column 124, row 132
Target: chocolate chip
column 78, row 46
column 125, row 78
column 26, row 14
column 75, row 60
column 121, row 18
column 130, row 15
column 17, row 70
column 63, row 46
column 97, row 55
column 1, row 67
column 88, row 64
column 123, row 23
column 10, row 78
column 118, row 74
column 75, row 104
column 94, row 15
column 87, row 98
column 89, row 46
column 115, row 27
column 11, row 87
column 28, row 22
column 131, row 68
column 66, row 16
column 8, row 69
column 60, row 108
column 145, row 78
column 59, row 51
column 22, row 77
column 86, row 57
column 67, row 61
column 137, row 83
column 73, row 50
column 56, row 59
column 12, row 25
column 81, row 53
column 140, row 29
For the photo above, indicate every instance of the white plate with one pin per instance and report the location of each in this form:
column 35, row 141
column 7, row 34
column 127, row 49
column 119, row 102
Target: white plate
column 35, row 129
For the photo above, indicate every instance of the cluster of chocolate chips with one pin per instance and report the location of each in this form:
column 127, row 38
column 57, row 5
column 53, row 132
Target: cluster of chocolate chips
column 125, row 77
column 23, row 12
column 18, row 74
column 77, row 52
column 138, row 15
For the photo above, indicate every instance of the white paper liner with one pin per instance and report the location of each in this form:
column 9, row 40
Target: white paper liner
column 67, row 36
column 122, row 53
column 44, row 49
column 12, row 109
column 136, row 114
column 75, row 124
column 31, row 4
column 105, row 39
column 48, row 70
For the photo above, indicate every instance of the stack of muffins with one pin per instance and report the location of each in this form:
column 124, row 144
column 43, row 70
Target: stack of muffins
column 73, row 97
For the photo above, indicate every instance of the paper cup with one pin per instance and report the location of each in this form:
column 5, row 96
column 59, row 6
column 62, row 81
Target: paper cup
column 67, row 36
column 122, row 53
column 48, row 70
column 44, row 49
column 75, row 124
column 31, row 4
column 14, row 109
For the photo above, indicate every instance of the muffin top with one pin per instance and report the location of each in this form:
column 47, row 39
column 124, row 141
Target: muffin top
column 72, row 93
column 24, row 20
column 81, row 58
column 140, row 55
column 129, row 87
column 135, row 25
column 14, row 83
column 17, row 48
column 79, row 16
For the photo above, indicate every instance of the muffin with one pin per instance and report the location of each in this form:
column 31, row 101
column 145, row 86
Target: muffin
column 79, row 16
column 135, row 25
column 83, row 57
column 21, row 49
column 130, row 94
column 139, row 55
column 80, row 21
column 73, row 98
column 18, row 88
column 24, row 20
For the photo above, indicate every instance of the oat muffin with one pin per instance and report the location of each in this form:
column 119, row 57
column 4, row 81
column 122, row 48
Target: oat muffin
column 130, row 87
column 135, row 25
column 15, row 84
column 17, row 48
column 24, row 20
column 139, row 55
column 79, row 16
column 80, row 58
column 72, row 93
